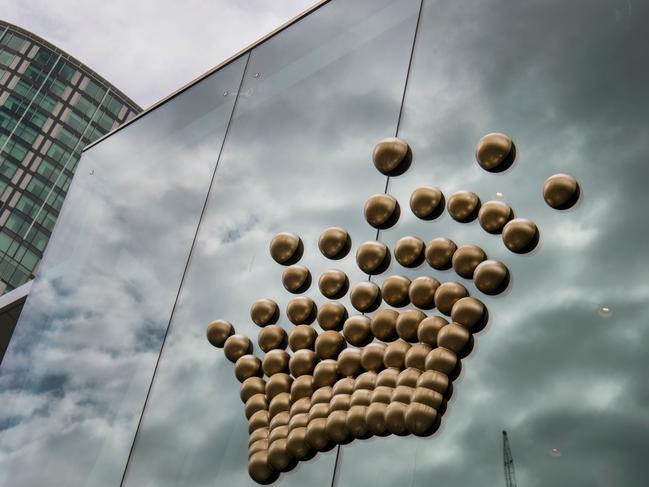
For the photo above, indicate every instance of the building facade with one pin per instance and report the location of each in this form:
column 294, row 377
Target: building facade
column 51, row 107
column 172, row 224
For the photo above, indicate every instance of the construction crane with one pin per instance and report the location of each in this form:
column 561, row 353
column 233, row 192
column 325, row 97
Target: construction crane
column 510, row 474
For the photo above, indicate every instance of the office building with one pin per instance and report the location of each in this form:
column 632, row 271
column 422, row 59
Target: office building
column 409, row 163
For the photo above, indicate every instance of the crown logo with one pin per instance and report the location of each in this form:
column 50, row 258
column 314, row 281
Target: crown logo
column 390, row 373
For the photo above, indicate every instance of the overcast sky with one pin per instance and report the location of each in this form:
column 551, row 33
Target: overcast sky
column 149, row 48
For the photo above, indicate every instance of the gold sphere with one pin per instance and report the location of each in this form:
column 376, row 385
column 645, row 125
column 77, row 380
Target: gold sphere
column 318, row 410
column 407, row 324
column 402, row 394
column 302, row 387
column 365, row 296
column 247, row 366
column 416, row 356
column 422, row 292
column 344, row 386
column 372, row 357
column 409, row 375
column 331, row 316
column 466, row 258
column 493, row 216
column 382, row 211
column 491, row 277
column 325, row 373
column 278, row 383
column 334, row 243
column 258, row 420
column 367, row 380
column 395, row 291
column 340, row 402
column 297, row 445
column 429, row 329
column 388, row 377
column 278, row 456
column 439, row 253
column 395, row 355
column 272, row 337
column 372, row 257
column 250, row 387
column 264, row 312
column 301, row 310
column 495, row 152
column 391, row 156
column 324, row 394
column 275, row 362
column 447, row 294
column 375, row 418
column 336, row 426
column 520, row 235
column 329, row 344
column 420, row 419
column 463, row 206
column 427, row 202
column 409, row 251
column 357, row 330
column 395, row 418
column 279, row 424
column 333, row 284
column 258, row 467
column 257, row 446
column 218, row 332
column 356, row 421
column 469, row 312
column 316, row 434
column 302, row 362
column 453, row 337
column 384, row 325
column 280, row 403
column 382, row 394
column 257, row 435
column 561, row 191
column 256, row 403
column 433, row 380
column 296, row 279
column 302, row 337
column 286, row 248
column 349, row 362
column 442, row 360
column 237, row 346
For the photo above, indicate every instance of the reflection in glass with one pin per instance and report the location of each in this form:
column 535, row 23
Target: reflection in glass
column 568, row 84
column 297, row 159
column 76, row 374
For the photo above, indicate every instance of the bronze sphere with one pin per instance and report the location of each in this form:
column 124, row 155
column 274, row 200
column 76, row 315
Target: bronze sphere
column 384, row 325
column 375, row 418
column 218, row 332
column 433, row 380
column 301, row 310
column 416, row 356
column 329, row 344
column 395, row 291
column 420, row 419
column 373, row 257
column 302, row 362
column 392, row 156
column 372, row 357
column 495, row 152
column 275, row 362
column 382, row 211
column 278, row 383
column 336, row 427
column 407, row 324
column 258, row 467
column 272, row 337
column 469, row 312
column 463, row 206
column 302, row 387
column 237, row 346
column 442, row 360
column 349, row 362
column 447, row 294
column 561, row 191
column 422, row 292
column 395, row 418
column 296, row 279
column 357, row 330
column 388, row 377
column 427, row 202
column 439, row 253
column 325, row 372
column 334, row 243
column 356, row 421
column 264, row 312
column 395, row 355
column 316, row 434
column 286, row 248
column 493, row 216
column 409, row 251
column 454, row 337
column 302, row 337
column 520, row 236
column 491, row 277
column 278, row 456
column 331, row 316
column 429, row 329
column 408, row 376
column 466, row 258
column 256, row 403
column 333, row 284
column 250, row 387
column 365, row 296
column 247, row 366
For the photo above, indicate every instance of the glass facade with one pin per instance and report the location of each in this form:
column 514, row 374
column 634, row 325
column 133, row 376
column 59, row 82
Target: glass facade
column 109, row 379
column 51, row 107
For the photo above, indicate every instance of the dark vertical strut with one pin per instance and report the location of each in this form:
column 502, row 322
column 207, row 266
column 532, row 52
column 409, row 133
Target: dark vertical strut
column 182, row 279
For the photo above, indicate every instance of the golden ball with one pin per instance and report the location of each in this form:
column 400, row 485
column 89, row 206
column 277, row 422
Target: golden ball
column 297, row 445
column 520, row 236
column 372, row 357
column 329, row 344
column 493, row 216
column 247, row 366
column 286, row 248
column 427, row 202
column 275, row 362
column 258, row 467
column 433, row 380
column 325, row 373
column 250, row 387
column 355, row 421
column 357, row 330
column 296, row 279
column 491, row 277
column 349, row 362
column 278, row 383
column 316, row 434
column 301, row 310
column 454, row 337
column 391, row 156
column 302, row 387
column 561, row 191
column 395, row 291
column 272, row 337
column 441, row 360
column 258, row 402
column 408, row 323
column 334, row 243
column 236, row 346
column 395, row 355
column 264, row 312
column 463, row 206
column 466, row 258
column 495, row 152
column 422, row 292
column 469, row 312
column 302, row 337
column 419, row 418
column 218, row 332
column 278, row 456
column 372, row 257
column 375, row 418
column 439, row 253
column 336, row 427
column 416, row 356
column 447, row 295
column 331, row 316
column 333, row 284
column 302, row 362
column 382, row 211
column 429, row 328
column 395, row 418
column 384, row 325
column 409, row 251
column 365, row 296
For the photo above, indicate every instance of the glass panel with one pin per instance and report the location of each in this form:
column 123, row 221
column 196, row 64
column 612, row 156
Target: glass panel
column 76, row 373
column 562, row 364
column 315, row 100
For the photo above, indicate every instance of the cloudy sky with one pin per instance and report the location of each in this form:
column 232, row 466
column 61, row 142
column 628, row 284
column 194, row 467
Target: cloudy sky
column 149, row 48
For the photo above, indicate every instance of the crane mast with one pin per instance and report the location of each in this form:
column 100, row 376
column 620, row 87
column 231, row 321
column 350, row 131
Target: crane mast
column 510, row 474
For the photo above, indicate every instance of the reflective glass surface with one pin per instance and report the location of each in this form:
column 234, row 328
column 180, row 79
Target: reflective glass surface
column 315, row 100
column 561, row 366
column 74, row 379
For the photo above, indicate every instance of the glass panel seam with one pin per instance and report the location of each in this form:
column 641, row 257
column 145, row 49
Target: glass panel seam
column 184, row 275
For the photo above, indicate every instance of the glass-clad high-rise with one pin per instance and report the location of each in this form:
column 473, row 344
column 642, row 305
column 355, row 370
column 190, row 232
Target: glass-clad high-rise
column 51, row 107
column 172, row 222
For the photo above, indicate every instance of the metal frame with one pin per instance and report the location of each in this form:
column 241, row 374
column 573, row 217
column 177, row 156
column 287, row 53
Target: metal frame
column 213, row 70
